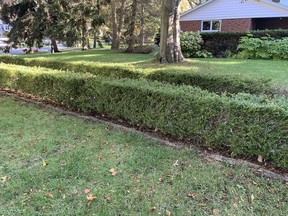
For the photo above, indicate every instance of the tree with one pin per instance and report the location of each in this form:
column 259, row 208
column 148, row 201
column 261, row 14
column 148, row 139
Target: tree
column 117, row 21
column 131, row 38
column 170, row 50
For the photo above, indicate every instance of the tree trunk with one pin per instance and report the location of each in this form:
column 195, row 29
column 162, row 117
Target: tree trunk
column 85, row 35
column 54, row 44
column 117, row 25
column 131, row 37
column 170, row 50
column 142, row 26
column 114, row 25
column 94, row 40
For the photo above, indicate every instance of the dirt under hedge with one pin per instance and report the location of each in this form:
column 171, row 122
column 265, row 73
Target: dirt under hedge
column 242, row 124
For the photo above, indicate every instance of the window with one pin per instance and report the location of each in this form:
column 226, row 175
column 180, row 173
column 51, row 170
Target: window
column 7, row 27
column 211, row 26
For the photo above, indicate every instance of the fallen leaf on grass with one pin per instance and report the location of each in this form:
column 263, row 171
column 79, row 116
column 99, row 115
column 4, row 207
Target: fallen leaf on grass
column 63, row 196
column 44, row 163
column 153, row 209
column 5, row 179
column 252, row 198
column 215, row 212
column 193, row 196
column 85, row 191
column 176, row 163
column 260, row 159
column 90, row 198
column 160, row 180
column 168, row 213
column 107, row 198
column 113, row 171
column 50, row 195
column 202, row 204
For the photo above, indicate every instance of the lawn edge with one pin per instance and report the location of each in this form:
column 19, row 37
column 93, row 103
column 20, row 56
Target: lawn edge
column 205, row 155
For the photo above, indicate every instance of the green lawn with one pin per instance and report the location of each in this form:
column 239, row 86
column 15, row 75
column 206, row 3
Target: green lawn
column 49, row 159
column 266, row 69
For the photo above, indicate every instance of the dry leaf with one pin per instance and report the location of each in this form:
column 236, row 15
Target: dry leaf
column 90, row 198
column 5, row 179
column 113, row 171
column 63, row 196
column 193, row 196
column 160, row 180
column 107, row 198
column 260, row 159
column 50, row 195
column 153, row 209
column 215, row 212
column 252, row 198
column 168, row 213
column 176, row 163
column 202, row 204
column 153, row 189
column 44, row 163
column 85, row 191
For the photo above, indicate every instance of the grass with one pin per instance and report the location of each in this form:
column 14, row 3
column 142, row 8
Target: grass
column 253, row 69
column 78, row 155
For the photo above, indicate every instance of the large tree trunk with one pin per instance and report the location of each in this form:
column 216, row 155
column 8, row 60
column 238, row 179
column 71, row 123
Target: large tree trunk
column 54, row 44
column 84, row 34
column 170, row 50
column 131, row 37
column 114, row 25
column 117, row 25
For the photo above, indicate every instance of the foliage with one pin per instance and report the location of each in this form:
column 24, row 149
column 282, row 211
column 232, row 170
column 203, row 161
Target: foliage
column 63, row 20
column 190, row 43
column 144, row 49
column 241, row 125
column 218, row 43
column 263, row 48
column 210, row 82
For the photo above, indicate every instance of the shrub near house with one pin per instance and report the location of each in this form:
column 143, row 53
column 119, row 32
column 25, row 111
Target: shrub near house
column 263, row 48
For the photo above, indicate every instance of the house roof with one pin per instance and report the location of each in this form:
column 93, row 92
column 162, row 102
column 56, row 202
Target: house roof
column 279, row 10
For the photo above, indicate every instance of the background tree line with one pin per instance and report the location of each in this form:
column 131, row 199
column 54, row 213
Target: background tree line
column 128, row 21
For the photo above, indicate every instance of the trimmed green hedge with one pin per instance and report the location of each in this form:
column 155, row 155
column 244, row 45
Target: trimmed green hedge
column 212, row 83
column 219, row 42
column 243, row 125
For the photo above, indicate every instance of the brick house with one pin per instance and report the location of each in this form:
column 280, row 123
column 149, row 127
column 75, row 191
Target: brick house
column 236, row 15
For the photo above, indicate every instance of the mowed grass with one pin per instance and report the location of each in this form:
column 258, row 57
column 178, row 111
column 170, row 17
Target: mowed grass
column 53, row 159
column 253, row 69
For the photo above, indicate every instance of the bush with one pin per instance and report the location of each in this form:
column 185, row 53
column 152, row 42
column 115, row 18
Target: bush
column 212, row 83
column 241, row 125
column 144, row 49
column 190, row 43
column 218, row 43
column 263, row 48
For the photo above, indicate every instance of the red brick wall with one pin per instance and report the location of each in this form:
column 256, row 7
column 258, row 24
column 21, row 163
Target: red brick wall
column 190, row 25
column 228, row 25
column 236, row 25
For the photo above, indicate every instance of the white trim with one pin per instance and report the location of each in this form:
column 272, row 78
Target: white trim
column 211, row 30
column 239, row 16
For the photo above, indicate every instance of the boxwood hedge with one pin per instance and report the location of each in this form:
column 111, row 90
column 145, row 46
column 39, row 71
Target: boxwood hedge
column 242, row 125
column 212, row 83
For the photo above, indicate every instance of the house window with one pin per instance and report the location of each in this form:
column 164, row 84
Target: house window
column 7, row 27
column 211, row 26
